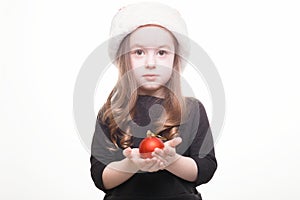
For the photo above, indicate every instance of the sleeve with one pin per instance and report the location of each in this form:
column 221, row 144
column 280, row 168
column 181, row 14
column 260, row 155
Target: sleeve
column 103, row 152
column 202, row 149
column 96, row 172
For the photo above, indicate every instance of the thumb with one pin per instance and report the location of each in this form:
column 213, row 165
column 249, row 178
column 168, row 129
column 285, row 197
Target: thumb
column 127, row 152
column 176, row 141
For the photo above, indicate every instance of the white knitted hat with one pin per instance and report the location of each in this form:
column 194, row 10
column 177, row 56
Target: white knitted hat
column 133, row 16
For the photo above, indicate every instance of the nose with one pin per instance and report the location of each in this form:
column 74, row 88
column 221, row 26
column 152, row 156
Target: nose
column 150, row 62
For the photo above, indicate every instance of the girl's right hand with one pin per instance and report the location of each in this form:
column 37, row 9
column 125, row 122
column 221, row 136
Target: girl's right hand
column 147, row 165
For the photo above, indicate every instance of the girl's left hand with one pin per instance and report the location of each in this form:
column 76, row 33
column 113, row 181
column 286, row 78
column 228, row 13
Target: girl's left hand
column 168, row 154
column 148, row 165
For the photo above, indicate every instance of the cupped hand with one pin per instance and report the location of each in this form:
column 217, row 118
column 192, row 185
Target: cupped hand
column 167, row 155
column 147, row 165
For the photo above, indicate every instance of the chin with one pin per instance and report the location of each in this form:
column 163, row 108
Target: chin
column 152, row 86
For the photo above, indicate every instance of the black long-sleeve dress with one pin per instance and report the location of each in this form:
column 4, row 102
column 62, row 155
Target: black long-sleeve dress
column 197, row 143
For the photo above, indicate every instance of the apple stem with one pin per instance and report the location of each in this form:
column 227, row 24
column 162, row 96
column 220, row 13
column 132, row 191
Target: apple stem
column 151, row 134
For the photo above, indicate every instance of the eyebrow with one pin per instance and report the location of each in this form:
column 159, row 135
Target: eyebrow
column 161, row 46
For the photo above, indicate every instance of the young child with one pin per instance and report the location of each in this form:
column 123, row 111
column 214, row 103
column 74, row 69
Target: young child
column 148, row 47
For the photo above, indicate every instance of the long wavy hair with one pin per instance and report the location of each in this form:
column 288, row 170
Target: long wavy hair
column 119, row 108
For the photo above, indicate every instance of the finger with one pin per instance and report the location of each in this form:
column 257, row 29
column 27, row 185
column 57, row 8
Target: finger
column 170, row 151
column 155, row 165
column 162, row 166
column 176, row 141
column 162, row 154
column 148, row 161
column 158, row 151
column 162, row 159
column 127, row 152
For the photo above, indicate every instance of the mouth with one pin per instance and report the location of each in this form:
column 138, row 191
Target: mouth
column 150, row 77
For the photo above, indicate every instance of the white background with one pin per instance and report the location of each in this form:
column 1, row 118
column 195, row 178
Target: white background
column 254, row 44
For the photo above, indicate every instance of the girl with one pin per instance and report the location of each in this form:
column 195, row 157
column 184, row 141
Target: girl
column 148, row 47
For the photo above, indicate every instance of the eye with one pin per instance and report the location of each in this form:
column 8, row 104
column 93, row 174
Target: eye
column 139, row 52
column 162, row 52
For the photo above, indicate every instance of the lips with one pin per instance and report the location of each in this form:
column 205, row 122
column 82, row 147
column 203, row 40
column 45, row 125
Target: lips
column 150, row 77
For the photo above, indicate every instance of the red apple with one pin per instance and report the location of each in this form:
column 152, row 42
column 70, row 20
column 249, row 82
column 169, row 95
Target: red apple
column 148, row 145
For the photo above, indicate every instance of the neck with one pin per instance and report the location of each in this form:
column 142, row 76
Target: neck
column 155, row 93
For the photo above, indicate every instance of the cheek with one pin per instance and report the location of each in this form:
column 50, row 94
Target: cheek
column 165, row 73
column 166, row 66
column 168, row 61
column 135, row 63
column 168, row 70
column 168, row 73
column 136, row 67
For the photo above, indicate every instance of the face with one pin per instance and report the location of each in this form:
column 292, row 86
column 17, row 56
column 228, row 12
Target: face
column 152, row 56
